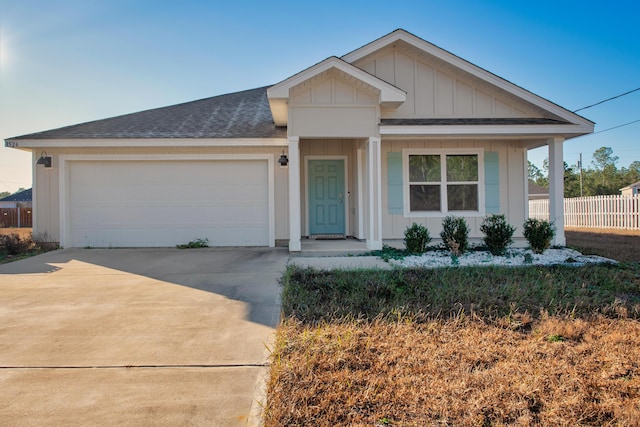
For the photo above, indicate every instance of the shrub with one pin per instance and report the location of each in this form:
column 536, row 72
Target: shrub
column 12, row 244
column 455, row 234
column 498, row 233
column 416, row 238
column 44, row 242
column 539, row 234
column 197, row 243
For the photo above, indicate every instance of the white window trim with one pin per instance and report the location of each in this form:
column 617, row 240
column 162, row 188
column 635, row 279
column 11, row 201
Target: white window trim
column 443, row 194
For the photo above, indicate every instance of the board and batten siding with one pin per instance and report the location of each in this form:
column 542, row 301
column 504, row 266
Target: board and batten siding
column 503, row 163
column 433, row 91
column 333, row 105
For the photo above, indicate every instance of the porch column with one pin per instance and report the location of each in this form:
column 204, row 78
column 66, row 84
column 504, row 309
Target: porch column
column 556, row 189
column 374, row 185
column 294, row 194
column 361, row 187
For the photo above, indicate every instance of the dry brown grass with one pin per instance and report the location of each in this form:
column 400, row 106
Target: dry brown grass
column 22, row 232
column 613, row 231
column 460, row 372
column 620, row 245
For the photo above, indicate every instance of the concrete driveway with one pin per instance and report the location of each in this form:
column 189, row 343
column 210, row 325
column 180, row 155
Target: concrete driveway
column 137, row 336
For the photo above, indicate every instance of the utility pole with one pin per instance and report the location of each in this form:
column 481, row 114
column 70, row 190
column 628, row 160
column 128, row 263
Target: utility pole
column 580, row 166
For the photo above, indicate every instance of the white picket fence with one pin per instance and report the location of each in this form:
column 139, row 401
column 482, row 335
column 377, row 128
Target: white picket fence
column 620, row 212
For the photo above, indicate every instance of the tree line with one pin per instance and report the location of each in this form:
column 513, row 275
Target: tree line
column 602, row 177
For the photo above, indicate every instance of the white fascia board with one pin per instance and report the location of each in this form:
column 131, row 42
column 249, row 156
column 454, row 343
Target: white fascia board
column 468, row 67
column 151, row 142
column 388, row 92
column 569, row 130
column 279, row 111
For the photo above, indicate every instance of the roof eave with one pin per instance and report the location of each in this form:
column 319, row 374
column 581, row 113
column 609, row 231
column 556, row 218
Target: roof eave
column 28, row 144
column 566, row 131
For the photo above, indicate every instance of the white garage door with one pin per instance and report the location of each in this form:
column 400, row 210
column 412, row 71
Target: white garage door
column 165, row 203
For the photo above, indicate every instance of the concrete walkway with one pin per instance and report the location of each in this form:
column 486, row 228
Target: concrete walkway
column 137, row 336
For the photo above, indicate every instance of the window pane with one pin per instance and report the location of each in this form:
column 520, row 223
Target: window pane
column 424, row 198
column 462, row 168
column 462, row 197
column 424, row 168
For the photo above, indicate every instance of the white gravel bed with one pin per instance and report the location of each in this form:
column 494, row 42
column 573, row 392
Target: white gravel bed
column 513, row 257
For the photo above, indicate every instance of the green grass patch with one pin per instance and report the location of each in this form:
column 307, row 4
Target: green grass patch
column 490, row 292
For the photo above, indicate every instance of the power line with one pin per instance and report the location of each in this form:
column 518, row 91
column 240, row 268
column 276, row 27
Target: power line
column 606, row 100
column 608, row 129
column 616, row 127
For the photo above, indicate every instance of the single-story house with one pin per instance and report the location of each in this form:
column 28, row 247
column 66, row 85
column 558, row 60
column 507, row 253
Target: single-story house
column 537, row 192
column 21, row 199
column 631, row 190
column 362, row 145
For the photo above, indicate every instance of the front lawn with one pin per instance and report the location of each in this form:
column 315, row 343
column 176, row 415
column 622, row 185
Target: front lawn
column 458, row 346
column 488, row 292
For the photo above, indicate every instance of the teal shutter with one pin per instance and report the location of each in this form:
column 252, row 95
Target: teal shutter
column 491, row 183
column 394, row 183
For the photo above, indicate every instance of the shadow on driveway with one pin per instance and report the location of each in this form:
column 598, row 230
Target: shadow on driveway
column 137, row 336
column 249, row 275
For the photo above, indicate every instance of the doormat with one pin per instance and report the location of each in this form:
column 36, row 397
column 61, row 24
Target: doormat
column 329, row 237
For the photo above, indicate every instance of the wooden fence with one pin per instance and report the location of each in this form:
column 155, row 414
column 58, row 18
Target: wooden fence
column 16, row 217
column 620, row 212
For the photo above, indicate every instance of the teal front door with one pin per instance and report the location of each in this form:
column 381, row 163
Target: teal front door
column 326, row 197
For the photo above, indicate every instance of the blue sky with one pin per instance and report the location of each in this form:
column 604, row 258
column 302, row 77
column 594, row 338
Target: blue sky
column 64, row 62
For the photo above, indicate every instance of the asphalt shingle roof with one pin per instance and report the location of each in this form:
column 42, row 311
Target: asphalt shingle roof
column 243, row 114
column 22, row 196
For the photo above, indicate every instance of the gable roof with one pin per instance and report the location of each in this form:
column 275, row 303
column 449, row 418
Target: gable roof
column 635, row 184
column 537, row 190
column 21, row 196
column 457, row 62
column 279, row 94
column 261, row 113
column 243, row 114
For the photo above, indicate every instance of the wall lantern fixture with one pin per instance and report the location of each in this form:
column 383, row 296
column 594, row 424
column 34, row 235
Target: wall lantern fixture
column 44, row 160
column 284, row 160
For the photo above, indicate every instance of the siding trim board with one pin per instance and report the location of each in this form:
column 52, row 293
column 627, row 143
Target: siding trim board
column 395, row 203
column 492, row 182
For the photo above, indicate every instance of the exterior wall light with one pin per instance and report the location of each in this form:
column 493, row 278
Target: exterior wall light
column 44, row 160
column 283, row 160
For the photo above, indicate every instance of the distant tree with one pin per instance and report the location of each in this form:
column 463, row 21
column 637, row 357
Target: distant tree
column 631, row 174
column 603, row 157
column 604, row 163
column 571, row 181
column 4, row 194
column 602, row 178
column 536, row 175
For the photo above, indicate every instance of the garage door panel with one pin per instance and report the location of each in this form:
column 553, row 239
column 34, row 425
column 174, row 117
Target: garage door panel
column 164, row 203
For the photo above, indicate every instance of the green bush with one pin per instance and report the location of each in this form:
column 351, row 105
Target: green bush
column 194, row 244
column 498, row 233
column 12, row 244
column 539, row 234
column 416, row 238
column 455, row 234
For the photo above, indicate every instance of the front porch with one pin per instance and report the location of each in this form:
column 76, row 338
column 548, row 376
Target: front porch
column 334, row 190
column 342, row 247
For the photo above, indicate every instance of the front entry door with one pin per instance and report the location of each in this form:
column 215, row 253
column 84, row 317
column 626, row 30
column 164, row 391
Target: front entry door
column 326, row 197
